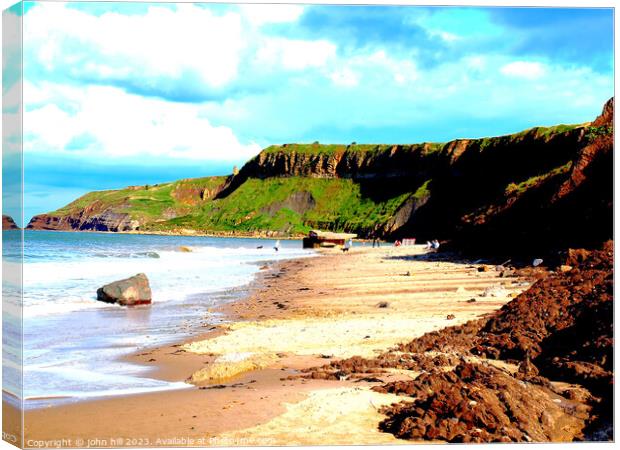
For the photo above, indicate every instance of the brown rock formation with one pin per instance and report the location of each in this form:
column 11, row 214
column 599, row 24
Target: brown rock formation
column 132, row 291
column 86, row 220
column 8, row 223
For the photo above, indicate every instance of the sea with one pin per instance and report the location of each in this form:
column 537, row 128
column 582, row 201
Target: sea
column 73, row 345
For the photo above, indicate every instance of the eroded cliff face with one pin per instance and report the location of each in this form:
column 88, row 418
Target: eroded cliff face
column 86, row 221
column 570, row 205
column 130, row 208
column 534, row 188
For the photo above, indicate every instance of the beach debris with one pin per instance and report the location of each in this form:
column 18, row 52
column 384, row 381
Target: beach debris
column 495, row 291
column 450, row 317
column 369, row 380
column 407, row 274
column 383, row 305
column 216, row 386
column 131, row 291
column 537, row 262
column 185, row 249
column 461, row 290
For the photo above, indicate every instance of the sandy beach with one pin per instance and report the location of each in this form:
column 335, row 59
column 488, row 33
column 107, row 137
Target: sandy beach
column 300, row 314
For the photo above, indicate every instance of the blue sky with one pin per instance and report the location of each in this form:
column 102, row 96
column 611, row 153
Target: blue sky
column 120, row 94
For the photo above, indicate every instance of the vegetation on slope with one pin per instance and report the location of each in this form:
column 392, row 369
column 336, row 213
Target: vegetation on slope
column 290, row 205
column 149, row 202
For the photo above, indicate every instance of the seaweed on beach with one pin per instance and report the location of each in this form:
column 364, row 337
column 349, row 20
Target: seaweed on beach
column 480, row 403
column 559, row 330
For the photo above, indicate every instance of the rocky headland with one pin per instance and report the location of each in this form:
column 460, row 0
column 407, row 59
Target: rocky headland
column 542, row 189
column 8, row 223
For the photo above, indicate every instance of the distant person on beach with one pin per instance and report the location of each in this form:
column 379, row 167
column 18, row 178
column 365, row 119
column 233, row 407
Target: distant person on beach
column 347, row 246
column 435, row 244
column 277, row 246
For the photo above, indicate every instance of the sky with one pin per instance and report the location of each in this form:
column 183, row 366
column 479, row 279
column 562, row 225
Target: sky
column 119, row 94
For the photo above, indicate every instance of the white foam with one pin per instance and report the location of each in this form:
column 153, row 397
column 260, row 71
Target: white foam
column 75, row 355
column 58, row 286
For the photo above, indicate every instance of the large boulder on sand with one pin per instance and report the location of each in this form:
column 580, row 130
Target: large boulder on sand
column 129, row 292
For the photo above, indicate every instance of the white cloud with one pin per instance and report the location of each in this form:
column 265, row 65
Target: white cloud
column 345, row 77
column 295, row 54
column 260, row 14
column 162, row 42
column 523, row 69
column 108, row 122
column 378, row 67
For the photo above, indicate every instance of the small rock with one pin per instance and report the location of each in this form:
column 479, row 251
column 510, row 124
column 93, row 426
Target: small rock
column 565, row 268
column 483, row 269
column 383, row 305
column 450, row 316
column 471, row 300
column 537, row 262
column 185, row 249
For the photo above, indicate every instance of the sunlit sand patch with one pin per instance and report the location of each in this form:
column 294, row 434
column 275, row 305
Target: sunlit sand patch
column 346, row 415
column 339, row 337
column 230, row 365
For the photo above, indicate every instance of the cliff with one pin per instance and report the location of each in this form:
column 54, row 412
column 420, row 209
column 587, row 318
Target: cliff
column 130, row 208
column 8, row 223
column 537, row 186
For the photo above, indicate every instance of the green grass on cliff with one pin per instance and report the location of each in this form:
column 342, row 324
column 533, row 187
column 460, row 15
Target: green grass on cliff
column 331, row 149
column 269, row 205
column 148, row 202
column 523, row 186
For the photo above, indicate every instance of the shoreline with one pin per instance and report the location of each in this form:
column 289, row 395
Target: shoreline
column 184, row 233
column 305, row 300
column 193, row 233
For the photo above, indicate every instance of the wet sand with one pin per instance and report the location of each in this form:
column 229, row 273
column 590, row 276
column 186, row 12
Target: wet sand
column 301, row 314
